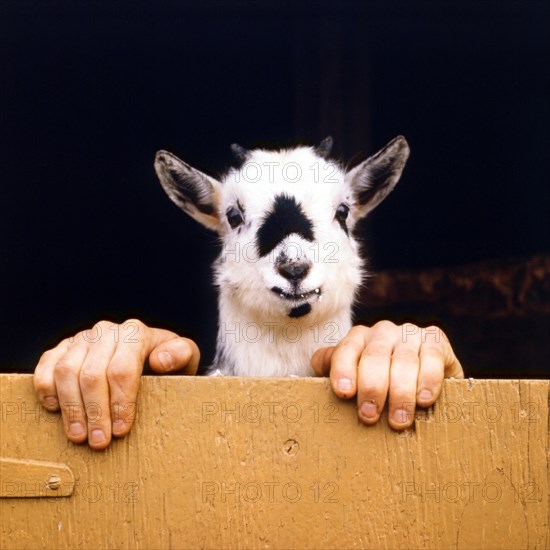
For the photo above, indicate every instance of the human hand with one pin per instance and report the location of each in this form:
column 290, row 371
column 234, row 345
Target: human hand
column 93, row 377
column 407, row 362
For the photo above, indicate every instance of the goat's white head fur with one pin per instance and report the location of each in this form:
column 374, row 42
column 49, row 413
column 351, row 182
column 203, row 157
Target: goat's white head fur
column 290, row 267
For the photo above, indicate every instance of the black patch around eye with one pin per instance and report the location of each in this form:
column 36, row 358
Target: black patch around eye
column 234, row 218
column 341, row 216
column 285, row 218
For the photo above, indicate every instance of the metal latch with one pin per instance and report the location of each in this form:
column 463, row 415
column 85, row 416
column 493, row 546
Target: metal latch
column 34, row 478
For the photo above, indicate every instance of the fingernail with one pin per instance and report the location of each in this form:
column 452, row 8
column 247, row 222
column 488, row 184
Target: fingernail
column 166, row 360
column 425, row 395
column 344, row 384
column 76, row 429
column 51, row 402
column 118, row 426
column 97, row 437
column 369, row 410
column 401, row 416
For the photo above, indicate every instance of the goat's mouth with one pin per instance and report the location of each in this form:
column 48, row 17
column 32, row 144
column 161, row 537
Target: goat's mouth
column 297, row 296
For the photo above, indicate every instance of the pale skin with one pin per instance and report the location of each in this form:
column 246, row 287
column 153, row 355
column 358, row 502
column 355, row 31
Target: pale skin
column 97, row 373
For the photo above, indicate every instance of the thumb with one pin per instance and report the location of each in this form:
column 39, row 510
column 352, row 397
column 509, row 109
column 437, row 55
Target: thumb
column 174, row 355
column 320, row 362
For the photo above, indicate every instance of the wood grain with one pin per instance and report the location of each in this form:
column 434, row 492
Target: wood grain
column 282, row 463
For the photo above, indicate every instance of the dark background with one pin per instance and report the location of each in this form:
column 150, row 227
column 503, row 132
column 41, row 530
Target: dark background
column 90, row 90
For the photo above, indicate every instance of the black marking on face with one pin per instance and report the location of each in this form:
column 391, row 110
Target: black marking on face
column 285, row 218
column 299, row 311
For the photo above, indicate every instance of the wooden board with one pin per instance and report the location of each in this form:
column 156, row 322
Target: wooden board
column 282, row 463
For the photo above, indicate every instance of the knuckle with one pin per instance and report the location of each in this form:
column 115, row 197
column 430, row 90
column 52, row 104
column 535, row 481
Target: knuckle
column 120, row 374
column 135, row 332
column 95, row 334
column 378, row 349
column 89, row 379
column 432, row 352
column 358, row 330
column 41, row 385
column 406, row 354
column 348, row 345
column 72, row 411
column 46, row 355
column 384, row 326
column 140, row 325
column 64, row 368
column 434, row 334
column 373, row 390
column 402, row 390
column 103, row 325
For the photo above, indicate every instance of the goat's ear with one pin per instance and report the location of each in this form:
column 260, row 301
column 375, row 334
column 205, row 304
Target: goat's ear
column 194, row 192
column 374, row 179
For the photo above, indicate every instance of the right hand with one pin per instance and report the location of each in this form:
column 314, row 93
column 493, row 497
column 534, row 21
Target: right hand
column 93, row 377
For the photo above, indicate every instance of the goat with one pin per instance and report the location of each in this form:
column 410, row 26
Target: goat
column 290, row 265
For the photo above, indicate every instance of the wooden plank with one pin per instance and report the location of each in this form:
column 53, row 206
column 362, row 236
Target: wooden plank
column 282, row 463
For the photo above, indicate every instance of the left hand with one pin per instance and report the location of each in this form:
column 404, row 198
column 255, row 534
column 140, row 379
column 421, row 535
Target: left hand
column 405, row 361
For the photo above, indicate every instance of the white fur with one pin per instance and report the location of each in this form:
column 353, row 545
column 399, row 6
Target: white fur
column 245, row 282
column 256, row 336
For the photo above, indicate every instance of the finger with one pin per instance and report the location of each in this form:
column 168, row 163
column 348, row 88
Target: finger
column 345, row 358
column 437, row 361
column 374, row 375
column 453, row 368
column 434, row 337
column 126, row 366
column 66, row 372
column 320, row 362
column 44, row 379
column 434, row 351
column 174, row 353
column 405, row 366
column 94, row 386
column 430, row 376
column 124, row 373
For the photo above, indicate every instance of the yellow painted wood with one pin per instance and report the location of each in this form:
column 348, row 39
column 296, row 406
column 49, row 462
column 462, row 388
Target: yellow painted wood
column 282, row 463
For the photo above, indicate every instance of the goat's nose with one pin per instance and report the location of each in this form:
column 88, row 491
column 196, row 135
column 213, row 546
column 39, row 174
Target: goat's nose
column 295, row 271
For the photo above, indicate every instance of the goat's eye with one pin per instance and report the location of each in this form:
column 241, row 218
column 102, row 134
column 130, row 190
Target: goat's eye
column 342, row 213
column 234, row 217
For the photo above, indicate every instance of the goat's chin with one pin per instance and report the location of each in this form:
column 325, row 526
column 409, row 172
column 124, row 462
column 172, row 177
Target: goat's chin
column 311, row 304
column 295, row 302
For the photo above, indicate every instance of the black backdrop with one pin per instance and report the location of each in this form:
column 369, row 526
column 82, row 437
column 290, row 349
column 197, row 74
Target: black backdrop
column 90, row 90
